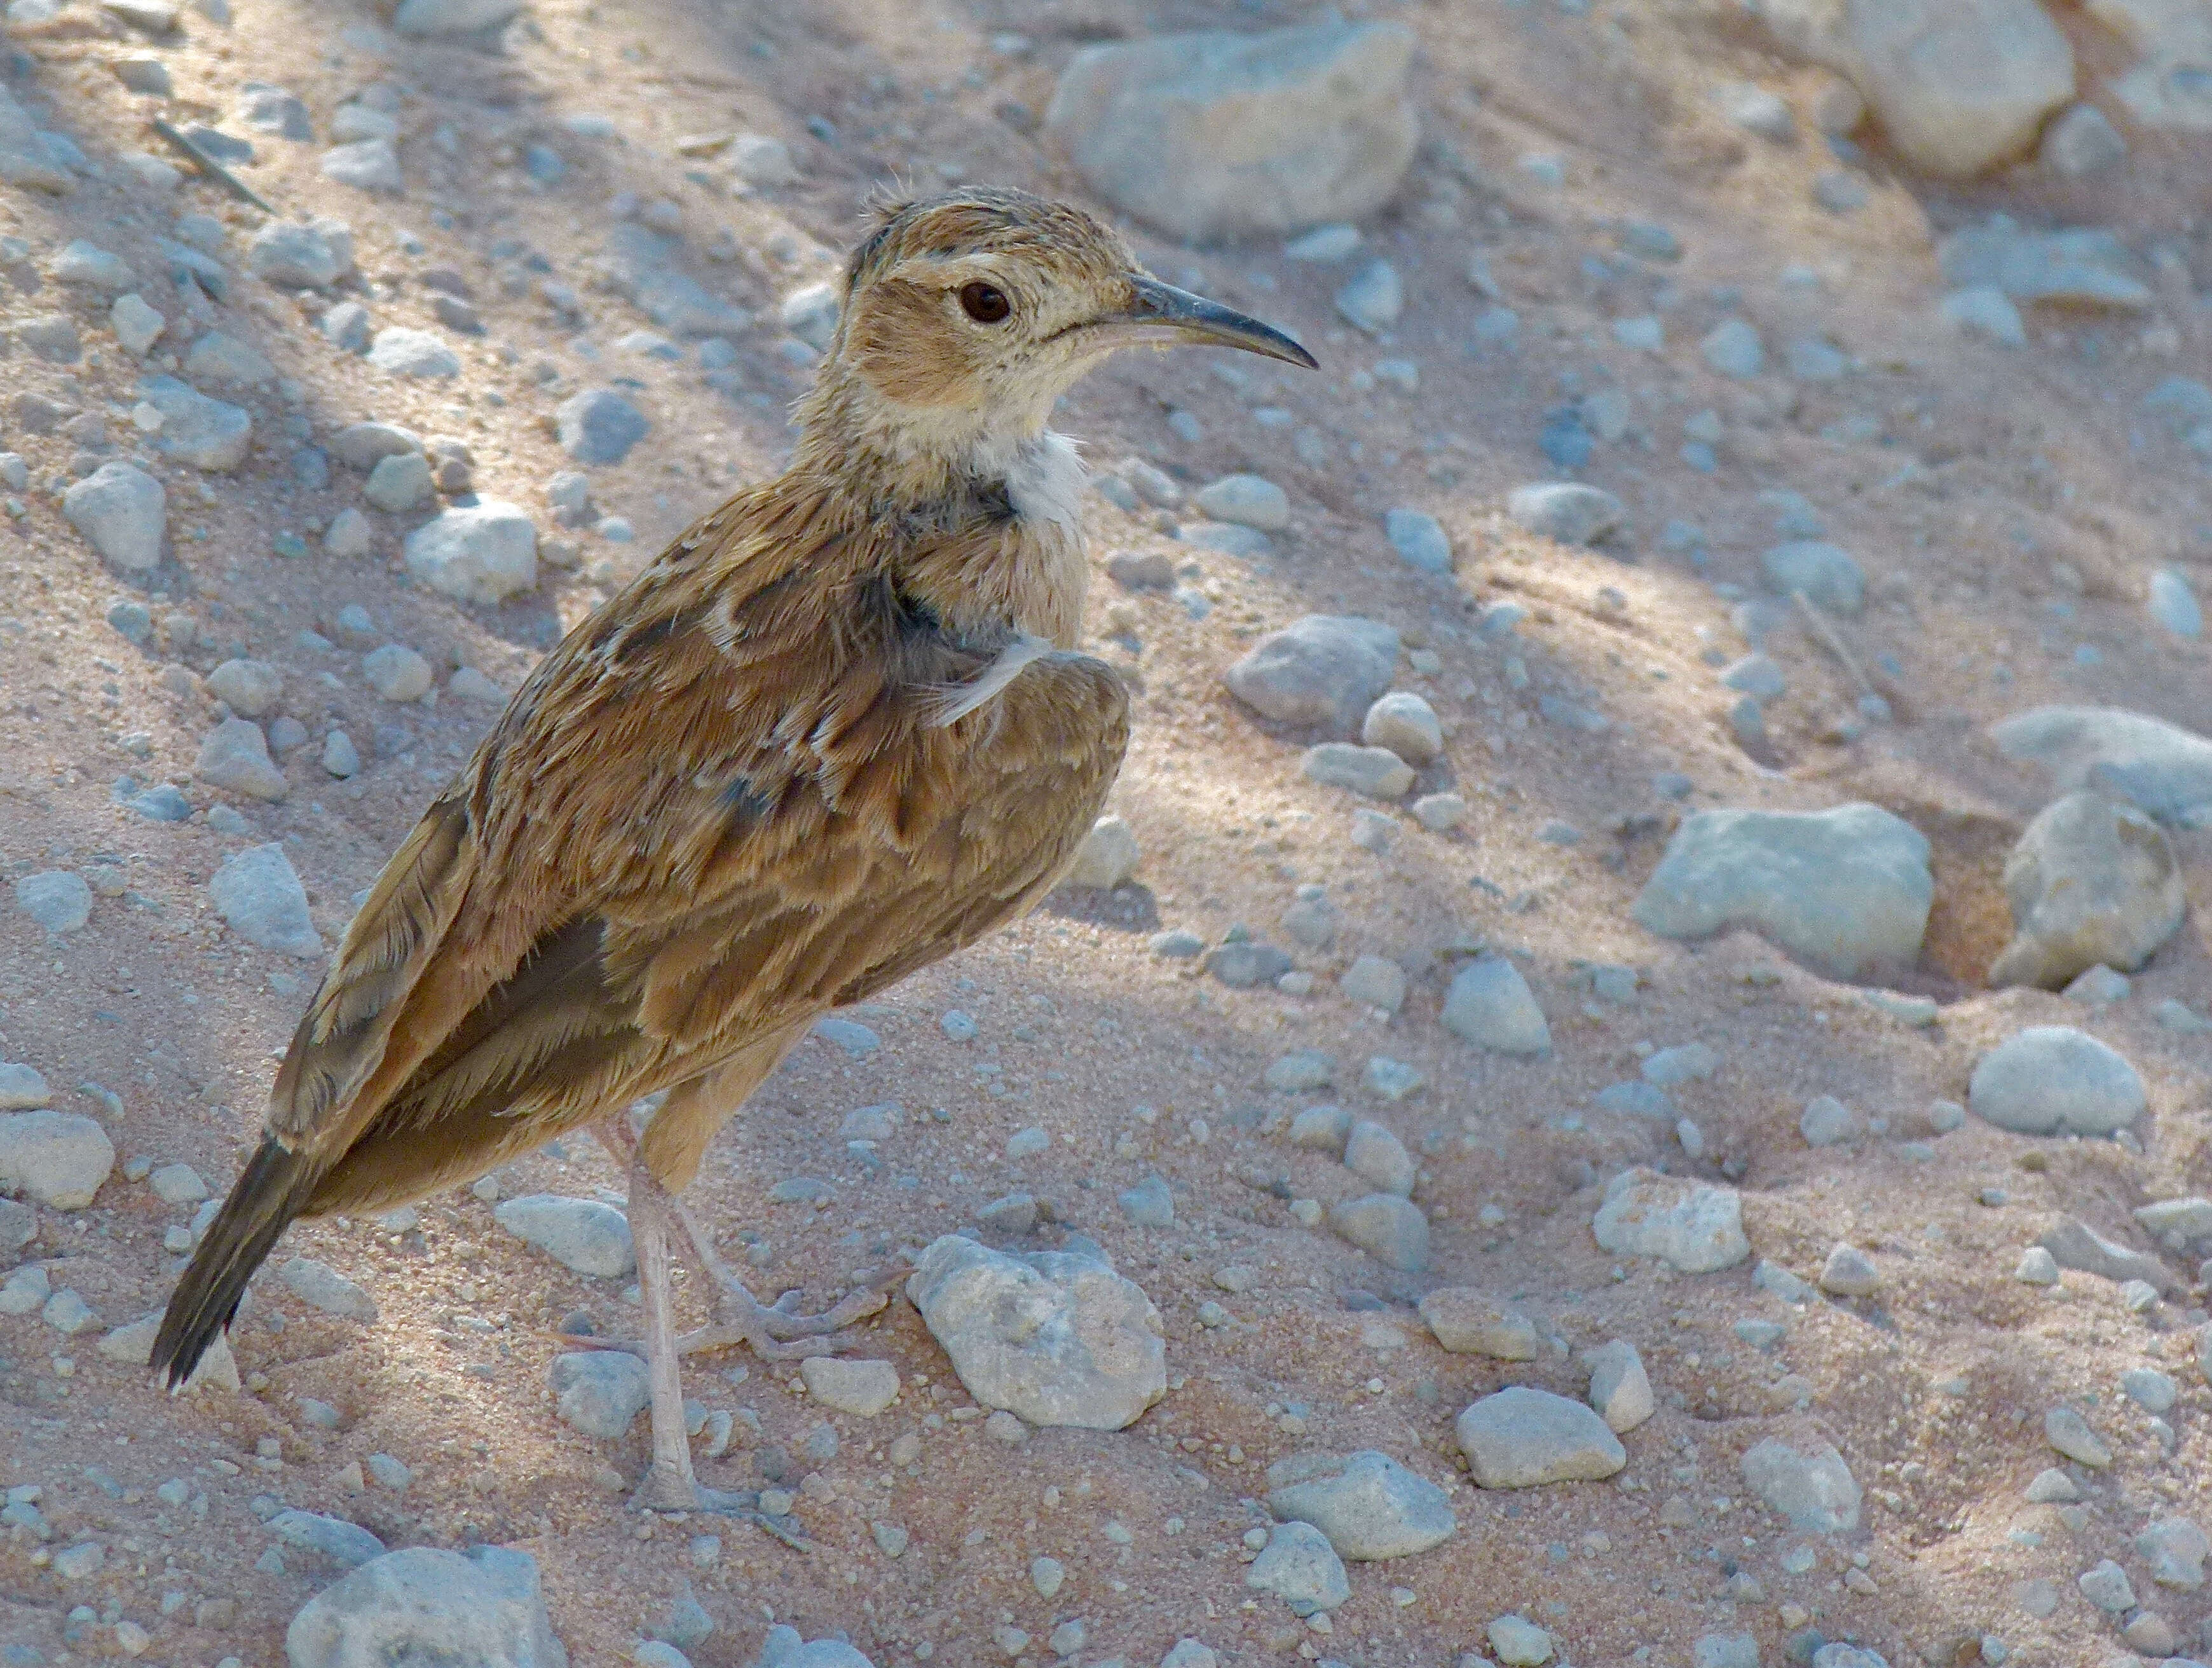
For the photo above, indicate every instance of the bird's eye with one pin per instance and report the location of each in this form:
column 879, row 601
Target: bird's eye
column 984, row 303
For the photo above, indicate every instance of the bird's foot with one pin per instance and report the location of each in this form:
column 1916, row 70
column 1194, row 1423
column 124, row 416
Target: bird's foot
column 664, row 1488
column 774, row 1333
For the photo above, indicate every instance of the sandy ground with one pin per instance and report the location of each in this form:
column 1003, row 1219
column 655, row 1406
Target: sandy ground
column 2008, row 506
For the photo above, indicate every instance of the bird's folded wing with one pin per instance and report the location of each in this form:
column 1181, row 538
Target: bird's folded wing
column 694, row 830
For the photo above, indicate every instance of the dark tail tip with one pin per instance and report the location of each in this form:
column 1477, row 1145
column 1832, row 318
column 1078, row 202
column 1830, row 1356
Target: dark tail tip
column 272, row 1189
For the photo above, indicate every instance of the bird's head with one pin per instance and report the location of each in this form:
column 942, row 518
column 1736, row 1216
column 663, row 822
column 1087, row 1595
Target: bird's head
column 966, row 315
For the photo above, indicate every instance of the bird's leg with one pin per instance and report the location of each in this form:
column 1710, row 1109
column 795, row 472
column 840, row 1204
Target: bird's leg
column 669, row 1485
column 765, row 1326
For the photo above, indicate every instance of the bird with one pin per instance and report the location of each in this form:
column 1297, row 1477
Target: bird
column 840, row 728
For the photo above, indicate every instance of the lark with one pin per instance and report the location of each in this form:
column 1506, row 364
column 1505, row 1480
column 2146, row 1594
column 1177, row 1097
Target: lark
column 840, row 728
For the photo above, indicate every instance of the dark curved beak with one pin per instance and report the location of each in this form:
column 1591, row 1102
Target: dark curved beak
column 1161, row 312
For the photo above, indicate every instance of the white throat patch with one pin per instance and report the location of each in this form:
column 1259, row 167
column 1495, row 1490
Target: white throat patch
column 1045, row 480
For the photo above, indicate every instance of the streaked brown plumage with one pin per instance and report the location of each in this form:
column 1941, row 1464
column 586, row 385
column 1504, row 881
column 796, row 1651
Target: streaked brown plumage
column 837, row 730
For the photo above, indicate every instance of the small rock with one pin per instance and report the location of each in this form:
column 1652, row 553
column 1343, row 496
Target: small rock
column 2082, row 142
column 2069, row 1433
column 368, row 165
column 1827, row 1122
column 1407, row 725
column 1490, row 1004
column 1567, row 511
column 1733, row 349
column 2054, row 1080
column 1811, row 1488
column 136, row 324
column 1522, row 1438
column 1694, row 1226
column 252, row 689
column 1377, row 1155
column 396, row 672
column 1058, row 1338
column 483, row 552
column 1373, row 298
column 1519, row 1643
column 67, row 1313
column 297, row 257
column 2074, row 266
column 1467, row 1322
column 1387, row 1227
column 1755, row 110
column 1420, row 539
column 863, row 1389
column 59, row 1159
column 2165, row 770
column 2077, row 1245
column 258, row 895
column 323, row 1288
column 2106, row 1588
column 2149, row 1389
column 1321, row 1129
column 1848, row 1273
column 1828, row 575
column 1299, row 1567
column 2092, row 881
column 207, row 433
column 23, row 1087
column 1242, row 964
column 340, row 757
column 1440, row 813
column 1108, row 856
column 1368, row 1506
column 1374, row 772
column 2175, row 1549
column 178, row 1184
column 347, row 1544
column 599, row 426
column 1758, row 676
column 346, row 327
column 1249, row 501
column 1687, row 1062
column 1374, row 982
column 586, row 1235
column 400, row 351
column 1149, row 1204
column 1620, row 1388
column 1321, row 669
column 58, row 899
column 600, row 1392
column 235, row 756
column 123, row 513
column 2100, row 987
column 1985, row 311
column 2037, row 1267
column 228, row 362
column 398, row 484
column 2191, row 1218
column 2172, row 603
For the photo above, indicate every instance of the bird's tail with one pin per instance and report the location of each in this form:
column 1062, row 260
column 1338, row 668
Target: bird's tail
column 273, row 1189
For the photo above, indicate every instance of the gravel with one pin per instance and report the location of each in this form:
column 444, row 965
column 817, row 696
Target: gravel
column 863, row 1389
column 587, row 1235
column 1524, row 1438
column 1369, row 1506
column 2054, row 1080
column 258, row 895
column 1056, row 1338
column 59, row 1158
column 1693, row 1226
column 1490, row 1004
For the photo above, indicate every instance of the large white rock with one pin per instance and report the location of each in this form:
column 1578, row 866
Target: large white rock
column 1695, row 1227
column 2094, row 881
column 1216, row 135
column 259, row 894
column 2165, row 770
column 1058, row 1338
column 1848, row 889
column 1958, row 84
column 483, row 552
column 59, row 1159
column 425, row 1605
column 123, row 513
column 1321, row 669
column 2056, row 1080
